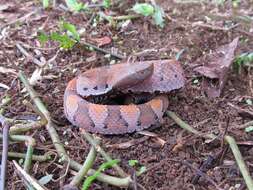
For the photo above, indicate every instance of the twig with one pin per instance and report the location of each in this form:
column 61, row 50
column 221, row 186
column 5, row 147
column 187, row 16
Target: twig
column 6, row 127
column 126, row 17
column 30, row 144
column 249, row 34
column 39, row 158
column 120, row 182
column 21, row 128
column 101, row 151
column 21, row 19
column 85, row 167
column 202, row 174
column 27, row 178
column 187, row 127
column 24, row 52
column 246, row 125
column 240, row 162
column 102, row 50
column 212, row 27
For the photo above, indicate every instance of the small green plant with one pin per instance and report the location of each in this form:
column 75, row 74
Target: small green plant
column 107, row 3
column 245, row 59
column 155, row 11
column 66, row 40
column 102, row 167
column 135, row 163
column 75, row 6
column 45, row 3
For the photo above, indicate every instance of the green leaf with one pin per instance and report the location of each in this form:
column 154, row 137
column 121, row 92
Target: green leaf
column 249, row 129
column 158, row 16
column 107, row 3
column 45, row 3
column 43, row 38
column 74, row 6
column 144, row 9
column 72, row 29
column 102, row 167
column 132, row 162
column 65, row 41
column 46, row 179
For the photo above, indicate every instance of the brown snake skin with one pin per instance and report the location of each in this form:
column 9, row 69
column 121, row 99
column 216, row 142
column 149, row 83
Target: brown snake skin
column 147, row 76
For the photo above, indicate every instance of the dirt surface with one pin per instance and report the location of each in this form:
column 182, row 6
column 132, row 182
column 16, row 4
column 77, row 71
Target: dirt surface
column 170, row 166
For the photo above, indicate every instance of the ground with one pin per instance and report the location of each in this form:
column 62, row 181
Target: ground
column 164, row 169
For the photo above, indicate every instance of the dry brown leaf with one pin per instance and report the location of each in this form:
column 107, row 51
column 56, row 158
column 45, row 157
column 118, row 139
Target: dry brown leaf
column 216, row 66
column 103, row 41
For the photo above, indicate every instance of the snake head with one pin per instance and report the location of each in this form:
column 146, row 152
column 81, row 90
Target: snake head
column 132, row 74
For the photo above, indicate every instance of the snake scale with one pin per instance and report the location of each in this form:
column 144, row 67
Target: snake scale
column 159, row 76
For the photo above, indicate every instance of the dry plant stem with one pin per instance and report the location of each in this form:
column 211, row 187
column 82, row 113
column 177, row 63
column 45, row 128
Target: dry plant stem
column 102, row 50
column 24, row 52
column 125, row 17
column 187, row 127
column 4, row 151
column 85, row 167
column 30, row 144
column 27, row 178
column 238, row 157
column 100, row 150
column 120, row 182
column 21, row 128
column 240, row 162
column 39, row 158
column 250, row 123
column 21, row 19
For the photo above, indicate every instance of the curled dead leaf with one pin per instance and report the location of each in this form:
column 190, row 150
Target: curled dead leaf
column 216, row 66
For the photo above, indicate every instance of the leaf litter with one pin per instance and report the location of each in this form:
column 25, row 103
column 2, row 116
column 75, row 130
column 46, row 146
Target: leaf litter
column 216, row 66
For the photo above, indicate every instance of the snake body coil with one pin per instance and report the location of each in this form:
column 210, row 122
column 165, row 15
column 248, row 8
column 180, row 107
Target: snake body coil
column 147, row 76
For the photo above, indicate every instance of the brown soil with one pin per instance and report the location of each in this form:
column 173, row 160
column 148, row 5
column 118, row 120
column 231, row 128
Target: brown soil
column 190, row 103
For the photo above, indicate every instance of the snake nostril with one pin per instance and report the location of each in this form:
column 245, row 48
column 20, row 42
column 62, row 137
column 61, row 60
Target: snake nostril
column 85, row 88
column 175, row 75
column 138, row 123
column 95, row 88
column 106, row 85
column 161, row 79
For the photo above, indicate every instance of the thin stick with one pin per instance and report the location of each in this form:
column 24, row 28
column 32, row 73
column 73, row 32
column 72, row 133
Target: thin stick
column 6, row 127
column 101, row 151
column 187, row 127
column 102, row 50
column 21, row 19
column 27, row 178
column 21, row 128
column 30, row 144
column 35, row 60
column 240, row 162
column 39, row 158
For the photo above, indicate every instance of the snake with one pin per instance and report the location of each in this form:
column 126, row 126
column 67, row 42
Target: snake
column 157, row 77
